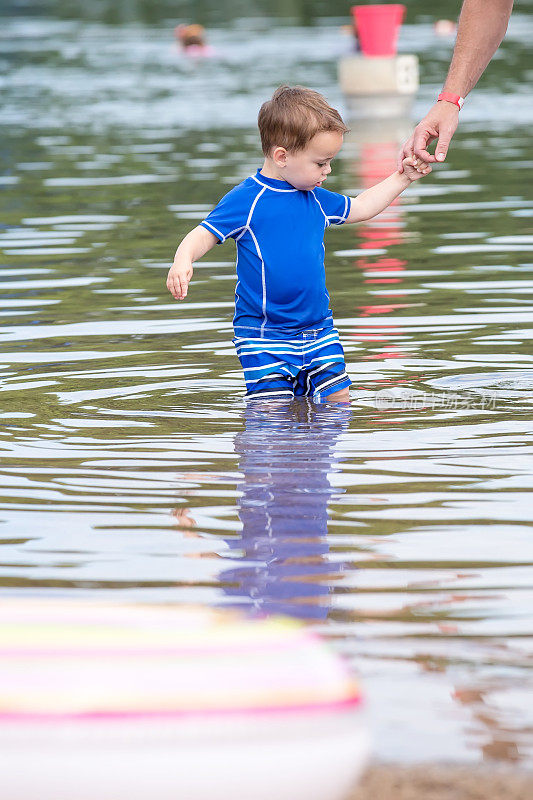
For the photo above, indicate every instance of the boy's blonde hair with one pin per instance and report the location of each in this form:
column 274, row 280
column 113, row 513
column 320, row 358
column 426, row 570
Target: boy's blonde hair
column 293, row 116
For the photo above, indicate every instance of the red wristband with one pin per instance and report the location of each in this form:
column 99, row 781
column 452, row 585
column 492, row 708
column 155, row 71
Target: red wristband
column 452, row 98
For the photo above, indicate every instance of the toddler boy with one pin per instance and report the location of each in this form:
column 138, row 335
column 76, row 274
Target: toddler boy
column 283, row 325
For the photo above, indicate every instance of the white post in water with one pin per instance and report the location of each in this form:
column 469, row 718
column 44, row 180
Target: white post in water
column 378, row 83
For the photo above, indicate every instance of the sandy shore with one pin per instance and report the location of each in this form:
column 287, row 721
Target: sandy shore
column 443, row 782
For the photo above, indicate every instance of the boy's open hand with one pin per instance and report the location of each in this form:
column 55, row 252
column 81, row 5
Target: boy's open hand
column 178, row 280
column 414, row 168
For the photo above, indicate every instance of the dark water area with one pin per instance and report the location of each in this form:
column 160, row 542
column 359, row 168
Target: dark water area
column 228, row 12
column 131, row 467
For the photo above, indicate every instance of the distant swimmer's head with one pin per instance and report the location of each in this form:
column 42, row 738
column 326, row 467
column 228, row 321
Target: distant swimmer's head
column 300, row 135
column 190, row 35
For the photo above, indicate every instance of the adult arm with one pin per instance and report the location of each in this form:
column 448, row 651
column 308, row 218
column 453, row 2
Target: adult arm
column 195, row 245
column 482, row 26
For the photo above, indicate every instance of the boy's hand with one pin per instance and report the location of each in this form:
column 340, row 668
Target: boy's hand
column 178, row 280
column 414, row 168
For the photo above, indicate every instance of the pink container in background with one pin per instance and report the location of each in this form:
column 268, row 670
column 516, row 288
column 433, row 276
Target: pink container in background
column 378, row 27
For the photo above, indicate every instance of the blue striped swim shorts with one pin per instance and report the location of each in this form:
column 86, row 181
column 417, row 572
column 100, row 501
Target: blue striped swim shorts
column 310, row 364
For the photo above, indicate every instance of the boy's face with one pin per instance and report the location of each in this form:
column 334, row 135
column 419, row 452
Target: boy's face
column 308, row 168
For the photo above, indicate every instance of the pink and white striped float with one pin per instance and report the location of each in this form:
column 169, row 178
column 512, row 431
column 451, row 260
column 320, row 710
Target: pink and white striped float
column 100, row 701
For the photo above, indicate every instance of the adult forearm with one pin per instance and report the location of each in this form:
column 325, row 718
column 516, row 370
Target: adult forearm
column 482, row 26
column 376, row 199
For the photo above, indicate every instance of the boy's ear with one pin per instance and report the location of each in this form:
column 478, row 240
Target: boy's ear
column 279, row 156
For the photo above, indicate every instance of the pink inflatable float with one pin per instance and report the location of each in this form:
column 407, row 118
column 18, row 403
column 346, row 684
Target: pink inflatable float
column 131, row 702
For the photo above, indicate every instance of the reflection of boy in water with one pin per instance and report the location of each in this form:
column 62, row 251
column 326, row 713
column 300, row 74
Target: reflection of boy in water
column 286, row 453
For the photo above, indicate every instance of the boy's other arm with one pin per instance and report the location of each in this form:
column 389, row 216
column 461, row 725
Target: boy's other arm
column 374, row 200
column 195, row 245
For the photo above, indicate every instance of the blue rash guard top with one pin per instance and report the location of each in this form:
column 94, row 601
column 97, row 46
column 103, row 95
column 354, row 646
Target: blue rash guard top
column 279, row 232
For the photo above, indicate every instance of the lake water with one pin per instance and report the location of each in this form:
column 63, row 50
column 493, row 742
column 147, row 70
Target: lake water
column 400, row 528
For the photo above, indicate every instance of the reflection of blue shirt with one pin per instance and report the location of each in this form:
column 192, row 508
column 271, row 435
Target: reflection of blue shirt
column 286, row 456
column 279, row 231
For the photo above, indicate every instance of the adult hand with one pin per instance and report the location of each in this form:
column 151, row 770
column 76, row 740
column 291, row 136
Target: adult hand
column 439, row 123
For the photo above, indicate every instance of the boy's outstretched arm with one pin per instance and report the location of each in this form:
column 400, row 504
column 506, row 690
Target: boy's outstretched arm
column 374, row 200
column 194, row 246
